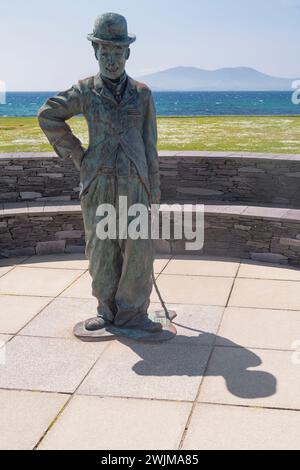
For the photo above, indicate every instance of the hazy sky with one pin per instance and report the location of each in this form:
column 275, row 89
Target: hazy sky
column 43, row 44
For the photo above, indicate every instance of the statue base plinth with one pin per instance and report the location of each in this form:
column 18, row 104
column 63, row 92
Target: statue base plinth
column 112, row 332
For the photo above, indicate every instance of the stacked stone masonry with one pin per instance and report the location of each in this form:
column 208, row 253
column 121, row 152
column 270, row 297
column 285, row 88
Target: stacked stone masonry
column 37, row 177
column 26, row 229
column 186, row 177
column 251, row 204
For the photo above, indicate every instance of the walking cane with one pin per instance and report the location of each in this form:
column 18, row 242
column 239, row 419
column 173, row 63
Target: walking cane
column 169, row 315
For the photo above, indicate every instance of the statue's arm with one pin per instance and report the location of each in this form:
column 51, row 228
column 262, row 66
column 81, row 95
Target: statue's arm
column 52, row 120
column 150, row 141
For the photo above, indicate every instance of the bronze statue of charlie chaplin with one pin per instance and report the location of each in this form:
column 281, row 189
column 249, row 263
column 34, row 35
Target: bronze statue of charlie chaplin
column 121, row 160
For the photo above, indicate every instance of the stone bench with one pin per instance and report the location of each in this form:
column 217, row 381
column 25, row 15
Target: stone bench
column 261, row 233
column 28, row 228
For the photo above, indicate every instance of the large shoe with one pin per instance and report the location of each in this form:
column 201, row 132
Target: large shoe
column 143, row 323
column 97, row 323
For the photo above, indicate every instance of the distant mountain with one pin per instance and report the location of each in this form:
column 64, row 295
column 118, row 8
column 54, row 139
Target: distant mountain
column 225, row 79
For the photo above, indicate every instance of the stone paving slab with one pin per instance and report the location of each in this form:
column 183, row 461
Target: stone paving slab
column 4, row 339
column 5, row 269
column 255, row 377
column 37, row 281
column 59, row 318
column 190, row 265
column 72, row 261
column 261, row 293
column 53, row 365
column 158, row 371
column 240, row 428
column 18, row 429
column 199, row 322
column 249, row 394
column 254, row 269
column 160, row 263
column 80, row 289
column 261, row 328
column 93, row 423
column 16, row 311
column 194, row 289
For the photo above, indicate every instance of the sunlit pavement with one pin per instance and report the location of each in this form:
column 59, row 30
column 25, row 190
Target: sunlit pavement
column 230, row 379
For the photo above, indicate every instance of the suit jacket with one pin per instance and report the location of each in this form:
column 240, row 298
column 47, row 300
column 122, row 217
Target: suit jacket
column 130, row 124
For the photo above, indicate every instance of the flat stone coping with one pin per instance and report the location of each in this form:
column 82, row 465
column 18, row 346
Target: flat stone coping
column 27, row 155
column 168, row 153
column 224, row 210
column 39, row 208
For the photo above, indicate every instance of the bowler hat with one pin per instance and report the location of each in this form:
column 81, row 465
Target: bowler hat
column 111, row 28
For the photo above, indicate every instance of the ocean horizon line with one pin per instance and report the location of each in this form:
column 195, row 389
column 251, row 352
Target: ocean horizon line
column 177, row 103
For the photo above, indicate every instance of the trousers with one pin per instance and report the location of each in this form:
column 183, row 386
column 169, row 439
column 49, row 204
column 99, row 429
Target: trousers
column 121, row 269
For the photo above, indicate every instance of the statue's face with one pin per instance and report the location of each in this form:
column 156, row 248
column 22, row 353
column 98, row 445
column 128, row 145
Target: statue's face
column 112, row 60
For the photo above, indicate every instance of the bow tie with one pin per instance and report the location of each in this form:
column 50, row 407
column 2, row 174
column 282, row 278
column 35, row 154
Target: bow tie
column 117, row 88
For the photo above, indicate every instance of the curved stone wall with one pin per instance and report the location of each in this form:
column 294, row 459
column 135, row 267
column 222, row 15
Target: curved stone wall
column 263, row 179
column 251, row 203
column 265, row 234
column 37, row 177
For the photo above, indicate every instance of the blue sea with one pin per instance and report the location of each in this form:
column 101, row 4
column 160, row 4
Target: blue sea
column 179, row 103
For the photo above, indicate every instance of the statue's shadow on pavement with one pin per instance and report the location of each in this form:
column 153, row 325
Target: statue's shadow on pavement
column 193, row 357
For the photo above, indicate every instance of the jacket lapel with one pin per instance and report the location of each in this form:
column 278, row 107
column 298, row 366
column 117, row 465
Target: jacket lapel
column 101, row 90
column 129, row 93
